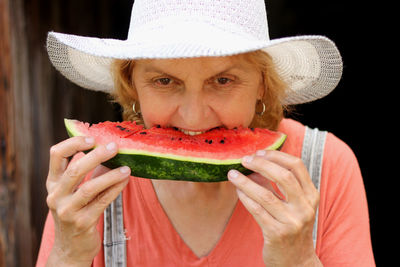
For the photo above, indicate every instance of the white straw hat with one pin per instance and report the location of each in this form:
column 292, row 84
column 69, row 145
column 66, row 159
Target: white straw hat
column 310, row 65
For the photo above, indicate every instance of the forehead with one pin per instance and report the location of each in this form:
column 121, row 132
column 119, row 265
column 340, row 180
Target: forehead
column 203, row 64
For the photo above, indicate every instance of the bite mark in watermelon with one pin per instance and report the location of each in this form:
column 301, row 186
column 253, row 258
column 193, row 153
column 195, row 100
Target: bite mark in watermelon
column 167, row 153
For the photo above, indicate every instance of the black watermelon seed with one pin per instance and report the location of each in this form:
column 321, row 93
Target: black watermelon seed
column 210, row 142
column 158, row 126
column 222, row 141
column 120, row 127
column 206, row 141
column 180, row 139
column 175, row 128
column 143, row 133
column 252, row 129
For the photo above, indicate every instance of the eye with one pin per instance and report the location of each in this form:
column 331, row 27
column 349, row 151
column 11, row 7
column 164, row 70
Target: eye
column 223, row 80
column 163, row 81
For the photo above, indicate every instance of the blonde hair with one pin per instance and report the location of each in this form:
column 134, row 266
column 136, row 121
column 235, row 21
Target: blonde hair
column 275, row 90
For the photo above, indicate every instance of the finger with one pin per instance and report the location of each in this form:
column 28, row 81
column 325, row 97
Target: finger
column 285, row 179
column 96, row 208
column 262, row 217
column 266, row 183
column 260, row 180
column 91, row 189
column 297, row 167
column 77, row 170
column 264, row 197
column 60, row 153
column 99, row 170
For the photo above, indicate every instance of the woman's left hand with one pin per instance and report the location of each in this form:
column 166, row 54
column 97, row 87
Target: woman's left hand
column 286, row 219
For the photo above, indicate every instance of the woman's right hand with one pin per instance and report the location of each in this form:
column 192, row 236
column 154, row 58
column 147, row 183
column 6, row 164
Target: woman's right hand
column 76, row 209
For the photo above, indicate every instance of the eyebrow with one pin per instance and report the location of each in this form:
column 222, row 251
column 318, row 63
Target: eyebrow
column 151, row 68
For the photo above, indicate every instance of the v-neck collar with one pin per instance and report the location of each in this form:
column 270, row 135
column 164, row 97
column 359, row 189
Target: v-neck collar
column 232, row 234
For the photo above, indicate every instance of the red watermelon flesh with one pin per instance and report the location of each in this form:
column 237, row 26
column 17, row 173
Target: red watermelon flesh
column 218, row 145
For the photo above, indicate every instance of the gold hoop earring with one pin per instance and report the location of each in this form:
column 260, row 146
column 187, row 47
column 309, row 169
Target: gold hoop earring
column 263, row 109
column 137, row 113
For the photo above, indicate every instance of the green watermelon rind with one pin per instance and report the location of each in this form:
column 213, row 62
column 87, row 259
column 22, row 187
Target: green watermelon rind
column 173, row 167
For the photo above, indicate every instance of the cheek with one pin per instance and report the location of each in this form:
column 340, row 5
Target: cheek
column 235, row 111
column 155, row 109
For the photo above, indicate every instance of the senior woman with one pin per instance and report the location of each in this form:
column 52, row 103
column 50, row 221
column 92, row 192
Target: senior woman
column 196, row 65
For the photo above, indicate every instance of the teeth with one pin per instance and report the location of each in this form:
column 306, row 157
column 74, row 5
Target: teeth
column 190, row 132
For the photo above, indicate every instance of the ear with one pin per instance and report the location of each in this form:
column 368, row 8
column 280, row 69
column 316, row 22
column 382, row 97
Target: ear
column 261, row 88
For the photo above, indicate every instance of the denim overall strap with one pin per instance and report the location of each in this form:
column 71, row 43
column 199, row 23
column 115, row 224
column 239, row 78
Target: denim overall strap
column 114, row 235
column 312, row 155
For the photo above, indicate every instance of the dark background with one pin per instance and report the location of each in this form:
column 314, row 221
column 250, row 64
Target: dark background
column 357, row 111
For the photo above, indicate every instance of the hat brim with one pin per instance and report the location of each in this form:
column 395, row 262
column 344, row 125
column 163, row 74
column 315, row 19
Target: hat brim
column 310, row 65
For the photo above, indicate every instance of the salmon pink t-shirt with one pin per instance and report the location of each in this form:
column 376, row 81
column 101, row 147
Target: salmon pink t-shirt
column 343, row 237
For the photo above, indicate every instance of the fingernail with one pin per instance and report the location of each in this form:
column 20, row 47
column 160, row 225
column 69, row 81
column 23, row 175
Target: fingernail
column 125, row 170
column 89, row 140
column 111, row 146
column 261, row 153
column 233, row 174
column 247, row 159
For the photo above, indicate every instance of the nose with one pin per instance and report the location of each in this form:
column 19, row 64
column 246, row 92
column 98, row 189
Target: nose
column 194, row 110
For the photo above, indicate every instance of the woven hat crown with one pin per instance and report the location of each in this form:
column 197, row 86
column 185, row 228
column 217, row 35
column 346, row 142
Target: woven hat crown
column 174, row 17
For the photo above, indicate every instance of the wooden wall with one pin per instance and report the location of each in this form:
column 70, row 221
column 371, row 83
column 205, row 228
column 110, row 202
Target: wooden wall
column 34, row 99
column 16, row 148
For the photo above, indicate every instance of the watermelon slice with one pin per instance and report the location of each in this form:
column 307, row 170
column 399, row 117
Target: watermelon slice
column 168, row 153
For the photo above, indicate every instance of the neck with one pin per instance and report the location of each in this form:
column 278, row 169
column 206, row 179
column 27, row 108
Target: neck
column 195, row 194
column 206, row 207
